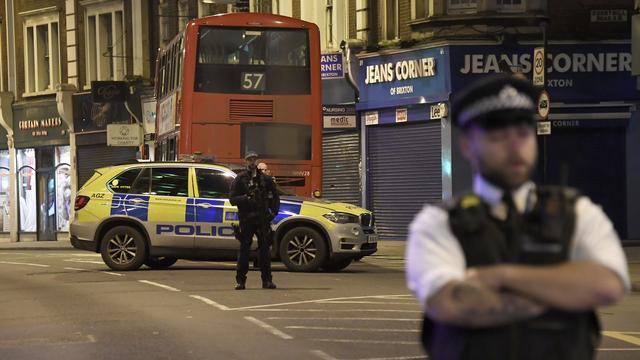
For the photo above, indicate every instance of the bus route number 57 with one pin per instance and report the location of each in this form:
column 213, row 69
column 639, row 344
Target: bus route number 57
column 252, row 81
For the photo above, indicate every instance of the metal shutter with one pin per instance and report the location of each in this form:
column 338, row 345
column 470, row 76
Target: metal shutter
column 341, row 167
column 404, row 173
column 91, row 157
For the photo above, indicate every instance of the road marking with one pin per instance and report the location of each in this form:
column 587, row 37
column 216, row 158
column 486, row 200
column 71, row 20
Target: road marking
column 13, row 253
column 269, row 328
column 619, row 349
column 166, row 287
column 397, row 358
column 75, row 269
column 310, row 301
column 210, row 302
column 322, row 355
column 367, row 302
column 21, row 263
column 354, row 341
column 341, row 318
column 350, row 329
column 85, row 261
column 112, row 273
column 622, row 335
column 336, row 310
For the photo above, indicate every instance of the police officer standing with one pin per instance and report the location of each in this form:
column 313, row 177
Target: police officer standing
column 513, row 269
column 258, row 202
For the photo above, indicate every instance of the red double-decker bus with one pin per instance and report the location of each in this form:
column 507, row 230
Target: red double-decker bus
column 240, row 82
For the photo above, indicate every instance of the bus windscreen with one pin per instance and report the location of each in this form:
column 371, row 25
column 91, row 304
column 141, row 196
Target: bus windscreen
column 252, row 61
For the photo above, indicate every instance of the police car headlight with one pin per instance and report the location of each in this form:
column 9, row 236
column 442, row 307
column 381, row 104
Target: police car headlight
column 341, row 218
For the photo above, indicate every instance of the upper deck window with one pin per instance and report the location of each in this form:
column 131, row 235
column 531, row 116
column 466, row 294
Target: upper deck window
column 254, row 61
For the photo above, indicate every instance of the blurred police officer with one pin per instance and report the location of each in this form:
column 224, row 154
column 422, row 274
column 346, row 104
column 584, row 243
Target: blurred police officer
column 512, row 270
column 258, row 202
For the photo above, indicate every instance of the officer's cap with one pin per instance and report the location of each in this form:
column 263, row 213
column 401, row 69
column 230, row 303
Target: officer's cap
column 496, row 101
column 250, row 154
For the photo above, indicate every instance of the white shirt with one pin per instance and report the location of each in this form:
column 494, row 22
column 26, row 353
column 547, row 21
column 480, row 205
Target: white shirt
column 434, row 257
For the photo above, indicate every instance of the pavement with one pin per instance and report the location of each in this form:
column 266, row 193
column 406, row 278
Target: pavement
column 387, row 249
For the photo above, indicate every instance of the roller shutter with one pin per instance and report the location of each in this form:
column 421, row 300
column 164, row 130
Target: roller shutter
column 341, row 167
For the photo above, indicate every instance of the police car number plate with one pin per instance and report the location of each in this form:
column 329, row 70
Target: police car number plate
column 372, row 238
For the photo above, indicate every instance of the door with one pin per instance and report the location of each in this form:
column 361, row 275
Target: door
column 170, row 222
column 46, row 185
column 212, row 208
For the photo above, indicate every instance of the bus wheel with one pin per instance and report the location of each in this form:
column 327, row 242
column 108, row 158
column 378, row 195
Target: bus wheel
column 160, row 262
column 123, row 248
column 303, row 249
column 333, row 265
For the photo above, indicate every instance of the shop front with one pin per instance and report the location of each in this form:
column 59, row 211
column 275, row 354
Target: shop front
column 5, row 174
column 43, row 170
column 590, row 145
column 90, row 122
column 403, row 108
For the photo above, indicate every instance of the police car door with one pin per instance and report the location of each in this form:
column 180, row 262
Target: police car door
column 170, row 223
column 212, row 207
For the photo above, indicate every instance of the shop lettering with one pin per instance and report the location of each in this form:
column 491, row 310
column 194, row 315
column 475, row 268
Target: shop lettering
column 560, row 83
column 198, row 230
column 37, row 124
column 401, row 70
column 400, row 90
column 560, row 63
column 566, row 123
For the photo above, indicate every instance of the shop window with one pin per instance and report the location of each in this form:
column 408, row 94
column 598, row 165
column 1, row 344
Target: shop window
column 41, row 54
column 213, row 184
column 106, row 42
column 4, row 191
column 122, row 183
column 170, row 181
column 63, row 187
column 27, row 189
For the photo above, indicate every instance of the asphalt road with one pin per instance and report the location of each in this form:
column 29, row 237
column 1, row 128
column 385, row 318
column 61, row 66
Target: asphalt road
column 68, row 305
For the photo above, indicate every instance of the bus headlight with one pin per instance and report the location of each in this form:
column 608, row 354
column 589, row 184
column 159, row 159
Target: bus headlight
column 341, row 218
column 316, row 193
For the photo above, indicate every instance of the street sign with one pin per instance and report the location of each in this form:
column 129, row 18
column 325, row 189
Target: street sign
column 544, row 105
column 544, row 127
column 538, row 66
column 109, row 91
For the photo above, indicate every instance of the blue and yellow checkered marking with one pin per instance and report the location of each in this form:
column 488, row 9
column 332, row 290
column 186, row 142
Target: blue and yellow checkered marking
column 136, row 206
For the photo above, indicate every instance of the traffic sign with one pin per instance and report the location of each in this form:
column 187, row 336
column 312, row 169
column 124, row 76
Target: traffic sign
column 544, row 105
column 538, row 66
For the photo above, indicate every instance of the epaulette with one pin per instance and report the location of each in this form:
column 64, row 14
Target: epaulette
column 467, row 213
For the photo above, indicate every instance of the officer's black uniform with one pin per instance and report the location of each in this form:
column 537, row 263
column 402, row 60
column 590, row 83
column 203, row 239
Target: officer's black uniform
column 258, row 203
column 541, row 236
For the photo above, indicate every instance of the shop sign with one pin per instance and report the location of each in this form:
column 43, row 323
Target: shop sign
column 438, row 111
column 403, row 78
column 573, row 72
column 109, row 91
column 37, row 123
column 91, row 116
column 331, row 66
column 167, row 115
column 123, row 135
column 371, row 118
column 609, row 15
column 149, row 116
column 401, row 115
column 339, row 117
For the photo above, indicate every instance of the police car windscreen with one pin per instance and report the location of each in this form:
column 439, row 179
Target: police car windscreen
column 277, row 141
column 253, row 61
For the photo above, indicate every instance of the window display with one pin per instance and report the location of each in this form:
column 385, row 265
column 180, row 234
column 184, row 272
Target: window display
column 63, row 187
column 26, row 159
column 4, row 191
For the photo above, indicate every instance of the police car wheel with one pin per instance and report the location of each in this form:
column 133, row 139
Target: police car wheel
column 303, row 249
column 160, row 262
column 336, row 264
column 123, row 248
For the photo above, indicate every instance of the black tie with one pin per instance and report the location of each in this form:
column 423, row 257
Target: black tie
column 512, row 226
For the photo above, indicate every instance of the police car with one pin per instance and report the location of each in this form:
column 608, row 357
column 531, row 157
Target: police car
column 157, row 213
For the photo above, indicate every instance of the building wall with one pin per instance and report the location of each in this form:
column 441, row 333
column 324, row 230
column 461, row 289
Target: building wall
column 571, row 20
column 4, row 83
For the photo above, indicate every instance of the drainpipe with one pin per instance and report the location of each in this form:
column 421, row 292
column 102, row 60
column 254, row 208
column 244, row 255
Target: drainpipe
column 346, row 46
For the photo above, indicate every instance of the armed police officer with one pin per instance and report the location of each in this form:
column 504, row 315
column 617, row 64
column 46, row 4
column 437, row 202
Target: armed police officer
column 258, row 202
column 512, row 270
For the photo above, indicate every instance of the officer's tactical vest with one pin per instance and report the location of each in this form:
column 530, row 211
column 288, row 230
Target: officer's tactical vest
column 543, row 238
